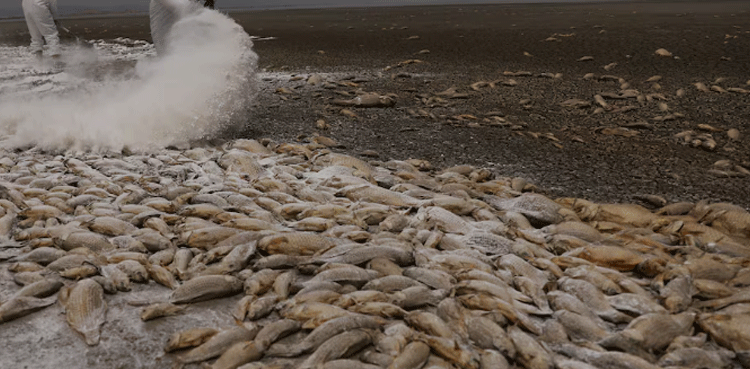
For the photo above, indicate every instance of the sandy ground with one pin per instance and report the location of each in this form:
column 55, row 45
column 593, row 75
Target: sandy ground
column 467, row 44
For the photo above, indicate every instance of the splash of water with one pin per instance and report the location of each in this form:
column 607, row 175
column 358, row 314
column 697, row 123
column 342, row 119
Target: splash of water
column 200, row 84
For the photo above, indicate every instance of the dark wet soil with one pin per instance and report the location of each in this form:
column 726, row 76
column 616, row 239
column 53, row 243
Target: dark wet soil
column 565, row 151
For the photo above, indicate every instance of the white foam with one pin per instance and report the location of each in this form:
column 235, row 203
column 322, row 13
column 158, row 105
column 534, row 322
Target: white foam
column 203, row 84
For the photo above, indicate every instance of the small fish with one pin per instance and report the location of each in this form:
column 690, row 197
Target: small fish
column 338, row 346
column 160, row 310
column 206, row 288
column 488, row 335
column 20, row 306
column 189, row 338
column 218, row 344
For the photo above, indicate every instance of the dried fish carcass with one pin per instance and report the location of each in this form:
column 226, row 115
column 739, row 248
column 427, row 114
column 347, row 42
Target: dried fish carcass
column 206, row 288
column 85, row 310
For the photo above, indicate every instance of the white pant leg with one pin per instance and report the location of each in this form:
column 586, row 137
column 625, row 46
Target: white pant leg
column 36, row 36
column 41, row 13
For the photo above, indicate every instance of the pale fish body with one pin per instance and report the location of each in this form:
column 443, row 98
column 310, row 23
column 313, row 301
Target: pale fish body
column 217, row 344
column 85, row 310
column 206, row 288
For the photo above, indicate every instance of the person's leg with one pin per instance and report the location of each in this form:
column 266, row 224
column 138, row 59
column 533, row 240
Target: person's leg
column 47, row 27
column 36, row 36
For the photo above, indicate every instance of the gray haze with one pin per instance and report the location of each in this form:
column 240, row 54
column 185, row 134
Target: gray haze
column 12, row 8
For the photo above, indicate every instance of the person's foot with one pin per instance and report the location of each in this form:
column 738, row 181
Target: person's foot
column 37, row 55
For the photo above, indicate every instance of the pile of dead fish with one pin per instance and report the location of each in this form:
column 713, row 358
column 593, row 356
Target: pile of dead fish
column 351, row 264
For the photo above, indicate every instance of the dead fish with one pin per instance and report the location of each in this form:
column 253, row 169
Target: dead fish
column 579, row 327
column 442, row 219
column 110, row 226
column 346, row 274
column 453, row 313
column 206, row 288
column 614, row 257
column 391, row 283
column 709, row 268
column 239, row 354
column 122, row 256
column 495, row 360
column 359, row 255
column 591, row 275
column 728, row 330
column 279, row 261
column 435, row 279
column 261, row 307
column 419, row 296
column 260, row 282
column 41, row 212
column 521, row 267
column 576, row 229
column 452, row 351
column 189, row 338
column 162, row 276
column 295, row 243
column 678, row 294
column 85, row 310
column 488, row 335
column 593, row 298
column 708, row 289
column 564, row 301
column 348, row 364
column 27, row 278
column 41, row 255
column 277, row 330
column 117, row 276
column 323, row 333
column 218, row 343
column 341, row 345
column 635, row 304
column 316, row 311
column 160, row 310
column 429, row 323
column 20, row 306
column 530, row 353
column 694, row 357
column 393, row 340
column 533, row 290
column 83, row 271
column 679, row 208
column 539, row 210
column 241, row 162
column 651, row 331
column 368, row 100
column 383, row 309
column 360, row 297
column 384, row 267
column 136, row 271
column 40, row 289
column 376, row 358
column 282, row 284
column 500, row 291
column 208, row 237
column 378, row 195
column 91, row 240
column 605, row 359
column 553, row 333
column 414, row 355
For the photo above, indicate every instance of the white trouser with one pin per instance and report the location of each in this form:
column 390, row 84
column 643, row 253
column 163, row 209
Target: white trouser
column 40, row 20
